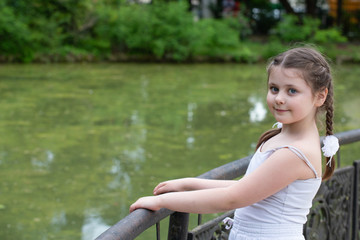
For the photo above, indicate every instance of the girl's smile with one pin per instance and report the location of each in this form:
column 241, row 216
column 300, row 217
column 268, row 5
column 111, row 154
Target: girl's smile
column 280, row 110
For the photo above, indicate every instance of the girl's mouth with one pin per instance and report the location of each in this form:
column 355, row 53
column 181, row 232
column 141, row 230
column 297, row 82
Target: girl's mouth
column 280, row 110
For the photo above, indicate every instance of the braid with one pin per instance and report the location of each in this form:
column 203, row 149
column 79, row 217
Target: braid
column 329, row 131
column 329, row 120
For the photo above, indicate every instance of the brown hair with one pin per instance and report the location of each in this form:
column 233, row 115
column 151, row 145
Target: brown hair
column 317, row 73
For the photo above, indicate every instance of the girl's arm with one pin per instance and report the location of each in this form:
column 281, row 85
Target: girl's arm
column 278, row 171
column 190, row 184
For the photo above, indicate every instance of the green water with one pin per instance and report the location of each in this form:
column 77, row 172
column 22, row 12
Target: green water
column 80, row 143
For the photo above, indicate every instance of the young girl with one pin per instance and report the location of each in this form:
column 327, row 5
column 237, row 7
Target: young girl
column 274, row 196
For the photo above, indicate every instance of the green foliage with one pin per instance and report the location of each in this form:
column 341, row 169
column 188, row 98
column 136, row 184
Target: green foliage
column 29, row 28
column 214, row 37
column 290, row 29
column 331, row 35
column 87, row 30
column 14, row 35
column 240, row 24
column 245, row 54
column 272, row 49
column 165, row 30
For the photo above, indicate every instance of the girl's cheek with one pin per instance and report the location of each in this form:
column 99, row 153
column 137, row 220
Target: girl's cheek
column 268, row 100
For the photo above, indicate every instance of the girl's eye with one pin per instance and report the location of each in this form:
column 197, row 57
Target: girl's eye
column 274, row 89
column 292, row 91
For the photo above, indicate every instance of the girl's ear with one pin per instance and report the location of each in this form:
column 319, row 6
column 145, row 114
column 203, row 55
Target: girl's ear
column 320, row 97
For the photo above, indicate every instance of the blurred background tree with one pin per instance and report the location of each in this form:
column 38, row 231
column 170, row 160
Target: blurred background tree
column 167, row 30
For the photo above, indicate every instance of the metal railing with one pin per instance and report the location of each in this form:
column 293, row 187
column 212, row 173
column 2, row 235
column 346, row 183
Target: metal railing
column 325, row 213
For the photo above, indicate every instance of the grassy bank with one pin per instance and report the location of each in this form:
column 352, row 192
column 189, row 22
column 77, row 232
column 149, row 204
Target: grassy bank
column 256, row 51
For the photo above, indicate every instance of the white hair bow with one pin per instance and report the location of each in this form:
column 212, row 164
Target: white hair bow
column 277, row 125
column 331, row 146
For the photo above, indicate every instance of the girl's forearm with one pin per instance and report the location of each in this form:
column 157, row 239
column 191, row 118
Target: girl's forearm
column 189, row 195
column 199, row 183
column 202, row 201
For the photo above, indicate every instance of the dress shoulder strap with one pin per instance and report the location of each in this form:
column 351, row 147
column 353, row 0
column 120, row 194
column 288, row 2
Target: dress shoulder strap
column 301, row 155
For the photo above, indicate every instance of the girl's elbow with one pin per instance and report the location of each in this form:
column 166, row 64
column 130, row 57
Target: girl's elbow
column 232, row 201
column 233, row 204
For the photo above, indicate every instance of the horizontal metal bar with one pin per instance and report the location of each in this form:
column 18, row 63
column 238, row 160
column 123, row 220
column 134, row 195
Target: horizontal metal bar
column 134, row 224
column 228, row 171
column 212, row 222
column 347, row 137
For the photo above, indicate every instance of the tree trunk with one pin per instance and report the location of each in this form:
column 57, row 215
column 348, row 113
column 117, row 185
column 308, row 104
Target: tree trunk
column 288, row 7
column 311, row 7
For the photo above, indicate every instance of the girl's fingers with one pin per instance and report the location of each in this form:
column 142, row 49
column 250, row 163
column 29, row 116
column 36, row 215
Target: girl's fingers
column 160, row 188
column 133, row 207
column 150, row 203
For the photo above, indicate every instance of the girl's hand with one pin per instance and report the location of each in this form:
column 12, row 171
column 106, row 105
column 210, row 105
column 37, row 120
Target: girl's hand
column 151, row 203
column 177, row 185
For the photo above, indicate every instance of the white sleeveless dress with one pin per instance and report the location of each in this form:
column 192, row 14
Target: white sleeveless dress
column 280, row 216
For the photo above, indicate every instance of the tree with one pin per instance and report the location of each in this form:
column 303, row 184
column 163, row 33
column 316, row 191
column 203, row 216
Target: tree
column 287, row 6
column 310, row 7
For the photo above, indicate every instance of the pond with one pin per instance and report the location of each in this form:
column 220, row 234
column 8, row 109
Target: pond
column 79, row 143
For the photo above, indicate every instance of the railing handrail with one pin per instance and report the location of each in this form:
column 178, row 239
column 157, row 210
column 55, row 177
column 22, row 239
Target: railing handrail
column 138, row 221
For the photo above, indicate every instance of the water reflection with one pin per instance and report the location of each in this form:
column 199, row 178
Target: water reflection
column 59, row 220
column 144, row 86
column 136, row 137
column 190, row 140
column 258, row 112
column 43, row 162
column 121, row 178
column 93, row 225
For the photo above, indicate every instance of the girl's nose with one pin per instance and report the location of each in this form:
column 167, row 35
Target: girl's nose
column 279, row 99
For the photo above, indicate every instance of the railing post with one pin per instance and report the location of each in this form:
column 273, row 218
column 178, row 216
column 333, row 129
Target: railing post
column 355, row 216
column 158, row 231
column 178, row 226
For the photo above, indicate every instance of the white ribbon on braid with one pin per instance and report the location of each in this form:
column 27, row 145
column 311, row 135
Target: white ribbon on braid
column 331, row 146
column 277, row 125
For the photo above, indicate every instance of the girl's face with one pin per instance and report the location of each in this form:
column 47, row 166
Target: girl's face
column 289, row 97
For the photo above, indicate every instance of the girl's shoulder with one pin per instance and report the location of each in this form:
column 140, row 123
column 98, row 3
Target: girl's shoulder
column 311, row 154
column 308, row 146
column 311, row 149
column 308, row 149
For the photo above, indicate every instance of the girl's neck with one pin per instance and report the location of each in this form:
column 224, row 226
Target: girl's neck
column 299, row 130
